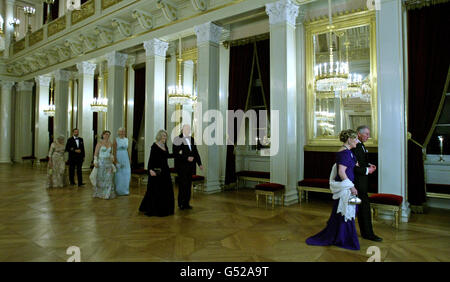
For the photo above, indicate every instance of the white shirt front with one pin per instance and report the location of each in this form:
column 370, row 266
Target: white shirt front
column 77, row 141
column 188, row 141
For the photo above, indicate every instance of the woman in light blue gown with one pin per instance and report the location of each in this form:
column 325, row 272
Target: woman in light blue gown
column 104, row 165
column 123, row 173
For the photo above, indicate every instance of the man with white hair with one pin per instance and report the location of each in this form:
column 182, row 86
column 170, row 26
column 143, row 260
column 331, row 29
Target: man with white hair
column 362, row 172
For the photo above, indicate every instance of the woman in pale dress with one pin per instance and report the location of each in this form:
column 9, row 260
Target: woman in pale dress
column 104, row 164
column 123, row 173
column 56, row 164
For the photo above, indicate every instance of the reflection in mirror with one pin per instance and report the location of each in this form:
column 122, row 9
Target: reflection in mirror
column 342, row 89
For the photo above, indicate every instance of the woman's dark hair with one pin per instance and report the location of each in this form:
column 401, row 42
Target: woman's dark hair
column 103, row 133
column 348, row 133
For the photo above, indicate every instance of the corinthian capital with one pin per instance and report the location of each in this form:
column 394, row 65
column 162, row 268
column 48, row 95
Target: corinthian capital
column 155, row 47
column 283, row 11
column 208, row 32
column 86, row 68
column 116, row 59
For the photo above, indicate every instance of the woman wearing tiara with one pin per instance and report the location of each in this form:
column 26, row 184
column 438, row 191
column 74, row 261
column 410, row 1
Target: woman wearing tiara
column 341, row 230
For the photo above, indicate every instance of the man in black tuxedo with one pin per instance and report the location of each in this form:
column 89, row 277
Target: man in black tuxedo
column 362, row 184
column 75, row 147
column 186, row 156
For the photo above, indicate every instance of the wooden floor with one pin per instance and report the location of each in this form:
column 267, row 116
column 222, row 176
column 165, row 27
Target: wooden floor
column 37, row 224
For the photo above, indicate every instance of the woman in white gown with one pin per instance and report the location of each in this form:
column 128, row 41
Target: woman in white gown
column 104, row 164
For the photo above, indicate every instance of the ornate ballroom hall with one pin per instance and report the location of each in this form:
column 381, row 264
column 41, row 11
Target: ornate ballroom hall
column 299, row 71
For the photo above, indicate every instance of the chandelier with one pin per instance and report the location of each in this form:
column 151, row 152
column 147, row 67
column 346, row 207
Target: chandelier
column 178, row 95
column 29, row 12
column 49, row 110
column 357, row 87
column 99, row 104
column 332, row 75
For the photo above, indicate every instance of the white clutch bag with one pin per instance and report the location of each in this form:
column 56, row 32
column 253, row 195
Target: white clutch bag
column 93, row 177
column 354, row 200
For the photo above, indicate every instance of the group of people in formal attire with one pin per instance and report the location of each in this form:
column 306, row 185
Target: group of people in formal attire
column 349, row 183
column 111, row 174
column 111, row 177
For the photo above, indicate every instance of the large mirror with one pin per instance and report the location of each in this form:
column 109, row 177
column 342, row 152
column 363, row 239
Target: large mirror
column 341, row 77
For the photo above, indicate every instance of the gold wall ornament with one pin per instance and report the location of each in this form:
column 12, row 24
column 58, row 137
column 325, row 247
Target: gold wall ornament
column 56, row 26
column 108, row 3
column 36, row 37
column 19, row 46
column 87, row 10
column 359, row 29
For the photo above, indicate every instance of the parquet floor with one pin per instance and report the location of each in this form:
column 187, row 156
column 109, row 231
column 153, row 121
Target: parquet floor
column 37, row 224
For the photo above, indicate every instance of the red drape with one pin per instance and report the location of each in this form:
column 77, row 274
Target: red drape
column 139, row 103
column 263, row 48
column 428, row 65
column 241, row 58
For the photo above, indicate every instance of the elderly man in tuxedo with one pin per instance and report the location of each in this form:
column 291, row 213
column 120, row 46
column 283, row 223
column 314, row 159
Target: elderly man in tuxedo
column 75, row 147
column 186, row 157
column 362, row 172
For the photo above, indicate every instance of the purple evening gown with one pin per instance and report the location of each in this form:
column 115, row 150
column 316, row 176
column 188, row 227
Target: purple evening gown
column 338, row 232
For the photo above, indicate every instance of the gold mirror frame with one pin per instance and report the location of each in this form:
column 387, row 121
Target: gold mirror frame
column 320, row 26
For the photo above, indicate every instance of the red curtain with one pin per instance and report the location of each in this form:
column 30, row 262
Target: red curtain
column 139, row 103
column 241, row 58
column 428, row 65
column 263, row 48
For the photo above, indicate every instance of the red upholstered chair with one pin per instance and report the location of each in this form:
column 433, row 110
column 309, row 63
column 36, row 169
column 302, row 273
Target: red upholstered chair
column 306, row 185
column 197, row 181
column 388, row 202
column 139, row 173
column 29, row 158
column 250, row 175
column 269, row 189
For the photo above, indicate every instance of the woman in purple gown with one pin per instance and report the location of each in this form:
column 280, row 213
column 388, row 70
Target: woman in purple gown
column 340, row 230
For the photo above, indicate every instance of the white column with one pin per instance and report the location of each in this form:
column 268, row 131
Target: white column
column 5, row 123
column 130, row 102
column 41, row 138
column 38, row 17
column 283, row 96
column 116, row 84
column 224, row 72
column 208, row 38
column 61, row 103
column 85, row 126
column 23, row 132
column 9, row 29
column 155, row 91
column 101, row 90
column 391, row 102
column 301, row 92
column 171, row 80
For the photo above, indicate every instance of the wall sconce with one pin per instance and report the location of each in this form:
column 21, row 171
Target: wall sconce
column 29, row 12
column 14, row 22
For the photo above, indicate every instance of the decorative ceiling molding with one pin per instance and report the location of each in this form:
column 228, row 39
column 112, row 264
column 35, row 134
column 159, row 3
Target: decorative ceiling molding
column 168, row 8
column 74, row 46
column 106, row 34
column 63, row 52
column 199, row 5
column 89, row 42
column 124, row 27
column 145, row 19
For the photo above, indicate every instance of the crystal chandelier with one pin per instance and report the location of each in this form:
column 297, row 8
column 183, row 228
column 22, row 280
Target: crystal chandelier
column 99, row 104
column 178, row 94
column 333, row 75
column 49, row 110
column 29, row 12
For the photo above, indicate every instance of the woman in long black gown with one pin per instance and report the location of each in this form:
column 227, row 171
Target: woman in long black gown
column 159, row 198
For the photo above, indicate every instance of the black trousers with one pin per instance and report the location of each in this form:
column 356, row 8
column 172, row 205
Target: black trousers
column 364, row 215
column 72, row 165
column 184, row 188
